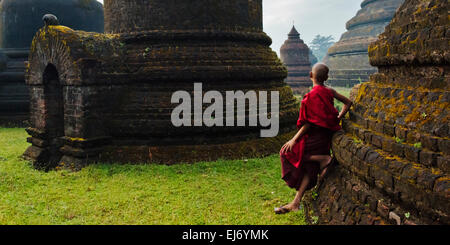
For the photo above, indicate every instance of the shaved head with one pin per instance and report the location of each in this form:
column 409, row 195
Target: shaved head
column 320, row 72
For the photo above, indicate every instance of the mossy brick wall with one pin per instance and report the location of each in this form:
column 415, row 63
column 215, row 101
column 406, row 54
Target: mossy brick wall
column 394, row 152
column 19, row 23
column 348, row 59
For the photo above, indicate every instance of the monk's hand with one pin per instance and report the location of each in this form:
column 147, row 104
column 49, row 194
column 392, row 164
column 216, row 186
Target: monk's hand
column 288, row 146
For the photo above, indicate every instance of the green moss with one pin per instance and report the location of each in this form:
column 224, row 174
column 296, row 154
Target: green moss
column 398, row 140
column 418, row 145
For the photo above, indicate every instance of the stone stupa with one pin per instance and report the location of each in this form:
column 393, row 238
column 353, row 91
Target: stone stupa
column 295, row 55
column 19, row 23
column 348, row 59
column 108, row 97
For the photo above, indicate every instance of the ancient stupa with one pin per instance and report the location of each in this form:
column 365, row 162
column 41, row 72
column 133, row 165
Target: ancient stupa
column 295, row 54
column 19, row 23
column 108, row 97
column 394, row 157
column 348, row 59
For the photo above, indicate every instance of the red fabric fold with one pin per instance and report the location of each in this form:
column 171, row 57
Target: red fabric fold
column 317, row 108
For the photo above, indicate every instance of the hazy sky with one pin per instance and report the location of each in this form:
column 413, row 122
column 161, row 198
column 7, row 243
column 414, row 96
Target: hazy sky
column 312, row 17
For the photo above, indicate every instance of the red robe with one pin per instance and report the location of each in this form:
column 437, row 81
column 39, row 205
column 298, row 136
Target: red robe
column 318, row 109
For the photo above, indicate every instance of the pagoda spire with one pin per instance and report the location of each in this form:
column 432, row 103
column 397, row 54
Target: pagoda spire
column 293, row 34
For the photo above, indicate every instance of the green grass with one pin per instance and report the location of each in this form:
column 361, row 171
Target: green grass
column 222, row 192
column 342, row 90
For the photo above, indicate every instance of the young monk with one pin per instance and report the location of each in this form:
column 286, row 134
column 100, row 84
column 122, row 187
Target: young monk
column 307, row 154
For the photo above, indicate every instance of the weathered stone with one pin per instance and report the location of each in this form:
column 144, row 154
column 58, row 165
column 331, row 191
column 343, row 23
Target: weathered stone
column 444, row 145
column 412, row 153
column 398, row 149
column 20, row 21
column 443, row 163
column 361, row 154
column 429, row 142
column 442, row 185
column 410, row 174
column 295, row 54
column 400, row 133
column 426, row 179
column 428, row 158
column 377, row 141
column 389, row 130
column 388, row 145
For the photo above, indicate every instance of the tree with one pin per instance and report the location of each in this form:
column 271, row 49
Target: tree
column 320, row 45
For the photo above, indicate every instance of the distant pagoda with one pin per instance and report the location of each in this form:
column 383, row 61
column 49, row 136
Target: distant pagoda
column 348, row 59
column 295, row 55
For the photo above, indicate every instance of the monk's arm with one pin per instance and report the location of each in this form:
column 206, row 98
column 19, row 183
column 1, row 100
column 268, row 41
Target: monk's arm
column 290, row 144
column 346, row 101
column 301, row 132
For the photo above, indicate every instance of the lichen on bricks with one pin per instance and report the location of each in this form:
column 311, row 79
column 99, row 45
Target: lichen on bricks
column 394, row 150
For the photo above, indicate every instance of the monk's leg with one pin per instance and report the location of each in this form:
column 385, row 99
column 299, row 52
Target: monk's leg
column 295, row 204
column 323, row 160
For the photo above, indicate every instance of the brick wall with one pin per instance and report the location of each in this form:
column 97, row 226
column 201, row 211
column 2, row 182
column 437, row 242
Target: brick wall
column 394, row 152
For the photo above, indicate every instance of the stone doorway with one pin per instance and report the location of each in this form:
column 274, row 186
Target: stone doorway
column 54, row 119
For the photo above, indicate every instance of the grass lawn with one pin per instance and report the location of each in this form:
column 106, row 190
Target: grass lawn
column 342, row 90
column 222, row 192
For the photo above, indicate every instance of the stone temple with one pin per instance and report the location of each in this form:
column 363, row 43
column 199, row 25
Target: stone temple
column 295, row 54
column 348, row 59
column 19, row 23
column 107, row 97
column 394, row 157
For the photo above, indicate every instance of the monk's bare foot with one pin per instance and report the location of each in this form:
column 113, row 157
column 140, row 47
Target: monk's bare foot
column 287, row 208
column 325, row 169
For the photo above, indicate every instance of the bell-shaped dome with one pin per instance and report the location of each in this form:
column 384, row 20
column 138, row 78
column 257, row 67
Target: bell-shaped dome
column 348, row 59
column 22, row 18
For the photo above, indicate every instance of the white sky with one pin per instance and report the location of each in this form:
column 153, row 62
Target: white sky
column 312, row 17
